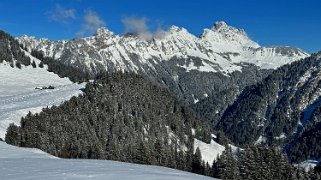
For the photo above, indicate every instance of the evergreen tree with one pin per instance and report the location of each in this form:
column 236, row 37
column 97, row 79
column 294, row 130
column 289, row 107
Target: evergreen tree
column 12, row 136
column 33, row 64
column 231, row 170
column 159, row 151
column 143, row 153
column 18, row 64
column 197, row 162
column 41, row 64
column 249, row 164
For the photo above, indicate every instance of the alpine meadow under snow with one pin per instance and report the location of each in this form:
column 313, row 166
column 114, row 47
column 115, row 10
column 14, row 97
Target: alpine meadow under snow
column 19, row 94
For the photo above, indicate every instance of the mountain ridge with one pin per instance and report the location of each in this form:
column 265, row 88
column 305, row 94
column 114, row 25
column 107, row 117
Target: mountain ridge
column 220, row 48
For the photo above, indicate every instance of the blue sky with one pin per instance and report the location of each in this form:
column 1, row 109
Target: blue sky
column 294, row 23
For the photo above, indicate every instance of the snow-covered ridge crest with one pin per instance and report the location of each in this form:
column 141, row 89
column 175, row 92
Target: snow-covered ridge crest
column 223, row 38
column 220, row 48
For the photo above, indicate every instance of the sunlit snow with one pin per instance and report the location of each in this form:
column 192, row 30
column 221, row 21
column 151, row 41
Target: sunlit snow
column 18, row 95
column 33, row 164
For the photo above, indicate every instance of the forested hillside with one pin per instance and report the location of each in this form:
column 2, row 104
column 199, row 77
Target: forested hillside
column 123, row 117
column 119, row 117
column 10, row 51
column 283, row 110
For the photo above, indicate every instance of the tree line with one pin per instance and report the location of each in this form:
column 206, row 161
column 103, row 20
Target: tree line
column 61, row 69
column 258, row 162
column 10, row 51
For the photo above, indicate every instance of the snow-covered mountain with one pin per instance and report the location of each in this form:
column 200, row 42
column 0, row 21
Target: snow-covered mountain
column 219, row 49
column 27, row 163
column 193, row 68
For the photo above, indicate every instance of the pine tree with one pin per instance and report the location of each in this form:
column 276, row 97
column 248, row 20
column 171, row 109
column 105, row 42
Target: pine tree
column 207, row 171
column 249, row 164
column 142, row 153
column 159, row 151
column 197, row 162
column 33, row 64
column 215, row 168
column 41, row 64
column 220, row 166
column 181, row 160
column 231, row 170
column 13, row 135
column 240, row 162
column 18, row 64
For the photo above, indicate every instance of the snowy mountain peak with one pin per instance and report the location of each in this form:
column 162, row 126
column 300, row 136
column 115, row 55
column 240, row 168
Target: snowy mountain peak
column 222, row 27
column 233, row 34
column 178, row 30
column 24, row 36
column 219, row 24
column 174, row 28
column 103, row 31
column 223, row 38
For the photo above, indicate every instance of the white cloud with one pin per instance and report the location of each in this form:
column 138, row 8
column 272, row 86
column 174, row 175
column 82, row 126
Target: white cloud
column 61, row 14
column 141, row 28
column 137, row 25
column 91, row 23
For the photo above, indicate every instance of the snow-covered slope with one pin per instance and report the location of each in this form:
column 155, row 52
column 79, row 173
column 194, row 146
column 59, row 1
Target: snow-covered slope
column 308, row 164
column 219, row 49
column 25, row 163
column 209, row 151
column 18, row 95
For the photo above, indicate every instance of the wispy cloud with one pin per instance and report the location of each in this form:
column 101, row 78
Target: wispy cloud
column 141, row 28
column 61, row 14
column 91, row 23
column 137, row 25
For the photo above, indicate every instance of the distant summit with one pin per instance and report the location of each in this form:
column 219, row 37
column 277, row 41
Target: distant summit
column 103, row 31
